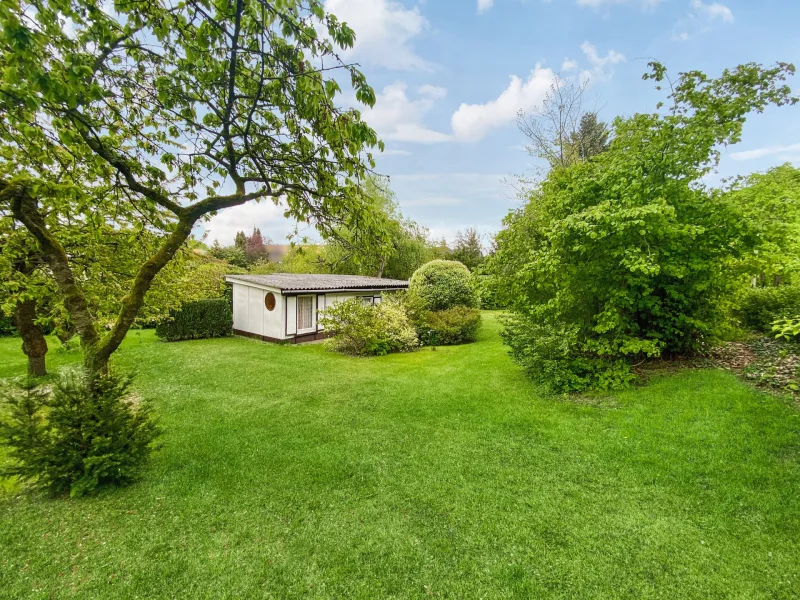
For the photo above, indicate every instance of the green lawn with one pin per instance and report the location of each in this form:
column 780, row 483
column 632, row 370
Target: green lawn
column 291, row 472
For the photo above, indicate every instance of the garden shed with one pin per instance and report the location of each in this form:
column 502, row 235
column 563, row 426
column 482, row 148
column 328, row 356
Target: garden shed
column 285, row 306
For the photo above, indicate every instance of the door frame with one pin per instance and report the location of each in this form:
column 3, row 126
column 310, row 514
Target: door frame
column 313, row 326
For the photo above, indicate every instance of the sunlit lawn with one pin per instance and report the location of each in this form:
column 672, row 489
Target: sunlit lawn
column 289, row 471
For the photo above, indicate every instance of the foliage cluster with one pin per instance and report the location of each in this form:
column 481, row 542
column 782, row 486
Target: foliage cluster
column 443, row 284
column 488, row 288
column 759, row 308
column 198, row 320
column 87, row 432
column 452, row 326
column 622, row 257
column 361, row 329
column 468, row 248
column 246, row 250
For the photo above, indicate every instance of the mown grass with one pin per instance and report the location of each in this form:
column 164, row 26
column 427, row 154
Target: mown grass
column 291, row 472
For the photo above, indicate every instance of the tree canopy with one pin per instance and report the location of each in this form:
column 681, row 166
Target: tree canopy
column 174, row 112
column 621, row 258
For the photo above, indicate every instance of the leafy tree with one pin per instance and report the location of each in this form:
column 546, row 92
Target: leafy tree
column 255, row 249
column 407, row 246
column 232, row 99
column 468, row 248
column 770, row 203
column 240, row 241
column 439, row 249
column 622, row 257
column 21, row 293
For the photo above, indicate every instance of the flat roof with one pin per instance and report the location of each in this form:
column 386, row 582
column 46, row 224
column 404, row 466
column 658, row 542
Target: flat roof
column 291, row 282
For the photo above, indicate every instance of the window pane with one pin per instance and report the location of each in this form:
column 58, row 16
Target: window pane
column 304, row 312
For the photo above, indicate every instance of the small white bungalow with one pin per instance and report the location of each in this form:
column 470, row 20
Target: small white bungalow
column 284, row 306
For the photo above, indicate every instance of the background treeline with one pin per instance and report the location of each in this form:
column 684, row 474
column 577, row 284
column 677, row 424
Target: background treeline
column 109, row 260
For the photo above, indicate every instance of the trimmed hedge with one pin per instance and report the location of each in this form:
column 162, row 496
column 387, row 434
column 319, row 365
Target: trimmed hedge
column 457, row 325
column 443, row 284
column 760, row 307
column 198, row 320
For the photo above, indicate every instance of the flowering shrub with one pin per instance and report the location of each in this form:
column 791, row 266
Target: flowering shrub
column 366, row 330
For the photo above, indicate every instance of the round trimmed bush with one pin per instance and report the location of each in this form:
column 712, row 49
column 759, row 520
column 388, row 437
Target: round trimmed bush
column 444, row 284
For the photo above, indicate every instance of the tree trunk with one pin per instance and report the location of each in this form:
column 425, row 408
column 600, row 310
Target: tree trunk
column 96, row 349
column 34, row 345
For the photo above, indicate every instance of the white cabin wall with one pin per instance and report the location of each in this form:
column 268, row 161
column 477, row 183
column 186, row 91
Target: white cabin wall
column 274, row 319
column 239, row 307
column 255, row 310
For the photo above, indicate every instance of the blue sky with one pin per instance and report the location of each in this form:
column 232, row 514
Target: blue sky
column 451, row 75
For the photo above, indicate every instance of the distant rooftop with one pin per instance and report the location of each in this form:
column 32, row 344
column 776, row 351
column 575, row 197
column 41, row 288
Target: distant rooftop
column 291, row 282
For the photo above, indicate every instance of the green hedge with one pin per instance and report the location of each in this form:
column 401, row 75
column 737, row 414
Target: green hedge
column 453, row 326
column 760, row 307
column 197, row 320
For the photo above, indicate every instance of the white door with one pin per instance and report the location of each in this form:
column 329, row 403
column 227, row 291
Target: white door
column 305, row 314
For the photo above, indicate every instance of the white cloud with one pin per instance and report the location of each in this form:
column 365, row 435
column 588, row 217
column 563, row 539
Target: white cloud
column 473, row 121
column 265, row 215
column 384, row 30
column 432, row 91
column 397, row 117
column 484, row 5
column 597, row 4
column 713, row 11
column 700, row 19
column 569, row 65
column 766, row 151
column 395, row 152
column 602, row 66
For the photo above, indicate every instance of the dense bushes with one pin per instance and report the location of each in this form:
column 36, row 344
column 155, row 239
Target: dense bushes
column 443, row 284
column 84, row 434
column 369, row 330
column 457, row 325
column 626, row 256
column 760, row 307
column 197, row 320
column 487, row 288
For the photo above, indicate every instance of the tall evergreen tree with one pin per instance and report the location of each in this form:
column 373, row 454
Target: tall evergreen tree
column 591, row 138
column 468, row 249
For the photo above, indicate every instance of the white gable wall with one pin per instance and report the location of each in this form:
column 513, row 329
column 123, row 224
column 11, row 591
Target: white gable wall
column 250, row 313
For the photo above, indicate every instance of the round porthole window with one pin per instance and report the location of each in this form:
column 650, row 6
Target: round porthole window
column 269, row 301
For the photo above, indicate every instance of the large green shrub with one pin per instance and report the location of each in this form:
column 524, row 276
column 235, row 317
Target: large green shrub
column 82, row 435
column 197, row 320
column 760, row 307
column 366, row 330
column 457, row 325
column 627, row 256
column 443, row 284
column 487, row 288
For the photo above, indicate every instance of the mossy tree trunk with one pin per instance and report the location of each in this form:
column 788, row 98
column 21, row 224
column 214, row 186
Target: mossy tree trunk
column 34, row 344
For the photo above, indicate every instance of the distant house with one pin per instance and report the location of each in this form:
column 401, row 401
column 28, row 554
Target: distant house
column 285, row 307
column 277, row 252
